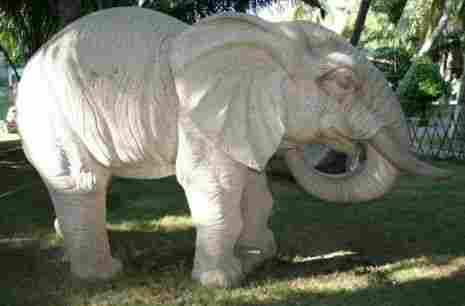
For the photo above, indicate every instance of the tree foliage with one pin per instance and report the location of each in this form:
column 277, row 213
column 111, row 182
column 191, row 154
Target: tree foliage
column 313, row 10
column 28, row 23
column 192, row 11
column 421, row 85
column 393, row 62
column 25, row 25
column 393, row 9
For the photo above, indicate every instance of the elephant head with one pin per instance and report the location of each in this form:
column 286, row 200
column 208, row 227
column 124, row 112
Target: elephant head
column 248, row 85
column 366, row 112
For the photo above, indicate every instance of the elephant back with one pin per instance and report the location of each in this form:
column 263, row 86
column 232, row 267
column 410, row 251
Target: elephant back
column 107, row 78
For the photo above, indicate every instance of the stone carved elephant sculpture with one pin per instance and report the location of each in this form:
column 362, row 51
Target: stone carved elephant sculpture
column 133, row 93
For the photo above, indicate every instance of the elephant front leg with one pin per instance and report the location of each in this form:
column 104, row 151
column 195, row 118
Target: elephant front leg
column 215, row 210
column 213, row 184
column 256, row 242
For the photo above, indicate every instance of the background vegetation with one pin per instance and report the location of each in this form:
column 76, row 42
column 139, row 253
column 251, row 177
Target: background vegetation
column 396, row 34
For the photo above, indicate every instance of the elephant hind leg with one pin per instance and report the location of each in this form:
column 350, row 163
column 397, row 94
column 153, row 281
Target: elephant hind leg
column 77, row 186
column 81, row 215
column 256, row 242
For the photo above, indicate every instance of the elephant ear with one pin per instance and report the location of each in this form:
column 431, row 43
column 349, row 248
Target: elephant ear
column 230, row 76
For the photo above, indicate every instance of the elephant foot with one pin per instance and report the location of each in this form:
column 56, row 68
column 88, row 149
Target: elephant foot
column 253, row 257
column 57, row 226
column 104, row 272
column 225, row 277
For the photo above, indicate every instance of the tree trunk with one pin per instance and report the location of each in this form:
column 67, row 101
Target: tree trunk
column 105, row 4
column 360, row 22
column 66, row 10
column 69, row 10
column 100, row 5
column 456, row 128
column 437, row 32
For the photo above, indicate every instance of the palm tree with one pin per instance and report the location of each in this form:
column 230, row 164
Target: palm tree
column 360, row 21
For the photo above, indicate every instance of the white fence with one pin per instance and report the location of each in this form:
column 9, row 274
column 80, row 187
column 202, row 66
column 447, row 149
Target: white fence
column 443, row 136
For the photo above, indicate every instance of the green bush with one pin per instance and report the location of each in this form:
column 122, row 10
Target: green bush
column 421, row 85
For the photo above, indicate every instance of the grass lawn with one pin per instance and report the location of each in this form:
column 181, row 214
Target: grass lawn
column 406, row 249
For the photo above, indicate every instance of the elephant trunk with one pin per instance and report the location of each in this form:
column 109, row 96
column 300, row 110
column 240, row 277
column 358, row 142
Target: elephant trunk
column 371, row 180
column 399, row 155
column 386, row 156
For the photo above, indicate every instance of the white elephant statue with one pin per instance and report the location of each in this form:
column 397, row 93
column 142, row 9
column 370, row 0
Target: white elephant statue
column 131, row 92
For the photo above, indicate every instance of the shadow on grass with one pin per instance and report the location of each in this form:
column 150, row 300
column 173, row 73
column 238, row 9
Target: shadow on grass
column 36, row 275
column 413, row 221
column 418, row 218
column 34, row 272
column 152, row 251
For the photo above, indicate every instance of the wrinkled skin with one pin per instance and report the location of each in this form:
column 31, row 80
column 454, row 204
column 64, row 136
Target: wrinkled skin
column 130, row 92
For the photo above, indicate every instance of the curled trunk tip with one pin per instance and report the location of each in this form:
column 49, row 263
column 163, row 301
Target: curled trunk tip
column 403, row 159
column 371, row 180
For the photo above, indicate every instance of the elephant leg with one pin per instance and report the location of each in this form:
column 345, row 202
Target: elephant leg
column 213, row 184
column 81, row 212
column 59, row 232
column 216, row 214
column 256, row 242
column 77, row 186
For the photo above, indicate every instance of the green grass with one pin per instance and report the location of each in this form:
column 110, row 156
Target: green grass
column 406, row 249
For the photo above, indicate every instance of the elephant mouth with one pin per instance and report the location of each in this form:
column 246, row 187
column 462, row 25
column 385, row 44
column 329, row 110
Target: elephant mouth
column 334, row 163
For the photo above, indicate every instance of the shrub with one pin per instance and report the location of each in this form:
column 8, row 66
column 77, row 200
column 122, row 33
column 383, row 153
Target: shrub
column 421, row 85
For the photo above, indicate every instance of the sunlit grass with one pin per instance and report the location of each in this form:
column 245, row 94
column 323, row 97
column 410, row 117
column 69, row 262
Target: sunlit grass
column 424, row 268
column 9, row 138
column 165, row 224
column 175, row 223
